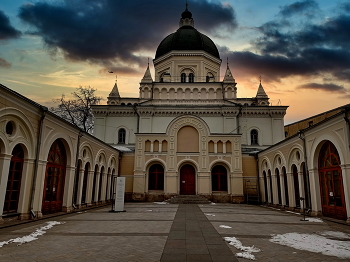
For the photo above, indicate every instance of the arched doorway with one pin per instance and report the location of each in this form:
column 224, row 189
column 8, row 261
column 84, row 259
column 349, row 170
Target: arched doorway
column 331, row 182
column 279, row 195
column 14, row 180
column 187, row 180
column 85, row 180
column 156, row 177
column 265, row 188
column 219, row 178
column 54, row 178
column 296, row 186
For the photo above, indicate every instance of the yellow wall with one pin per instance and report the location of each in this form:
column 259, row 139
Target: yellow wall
column 127, row 170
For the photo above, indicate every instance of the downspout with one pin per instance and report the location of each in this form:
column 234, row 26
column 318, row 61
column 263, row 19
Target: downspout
column 37, row 155
column 237, row 118
column 302, row 137
column 119, row 160
column 348, row 123
column 258, row 178
column 138, row 119
column 80, row 135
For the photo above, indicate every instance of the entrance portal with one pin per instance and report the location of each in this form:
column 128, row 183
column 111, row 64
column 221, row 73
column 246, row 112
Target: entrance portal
column 331, row 182
column 187, row 180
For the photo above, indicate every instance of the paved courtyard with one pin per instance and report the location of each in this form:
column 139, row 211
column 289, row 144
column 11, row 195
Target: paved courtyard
column 171, row 232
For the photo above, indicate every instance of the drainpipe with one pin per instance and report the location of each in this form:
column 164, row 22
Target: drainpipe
column 348, row 124
column 119, row 160
column 258, row 178
column 37, row 155
column 138, row 119
column 237, row 118
column 80, row 135
column 302, row 137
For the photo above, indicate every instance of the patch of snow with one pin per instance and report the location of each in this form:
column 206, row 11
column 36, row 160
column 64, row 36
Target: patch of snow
column 223, row 226
column 293, row 212
column 210, row 215
column 314, row 219
column 335, row 234
column 33, row 236
column 161, row 203
column 149, row 210
column 315, row 243
column 122, row 148
column 212, row 203
column 79, row 212
column 247, row 251
column 246, row 255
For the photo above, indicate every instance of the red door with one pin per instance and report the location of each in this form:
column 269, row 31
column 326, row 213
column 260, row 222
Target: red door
column 187, row 180
column 331, row 183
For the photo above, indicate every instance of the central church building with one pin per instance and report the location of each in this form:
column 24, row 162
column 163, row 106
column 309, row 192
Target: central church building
column 188, row 132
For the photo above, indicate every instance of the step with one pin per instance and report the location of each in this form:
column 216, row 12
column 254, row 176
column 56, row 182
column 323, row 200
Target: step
column 188, row 199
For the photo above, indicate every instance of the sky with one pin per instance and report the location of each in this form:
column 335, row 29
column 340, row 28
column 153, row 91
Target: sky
column 299, row 48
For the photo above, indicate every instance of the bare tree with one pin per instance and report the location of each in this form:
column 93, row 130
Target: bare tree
column 78, row 110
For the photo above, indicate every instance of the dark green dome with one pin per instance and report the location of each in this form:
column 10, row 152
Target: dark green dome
column 187, row 38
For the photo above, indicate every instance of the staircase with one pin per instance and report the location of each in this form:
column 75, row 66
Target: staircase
column 188, row 199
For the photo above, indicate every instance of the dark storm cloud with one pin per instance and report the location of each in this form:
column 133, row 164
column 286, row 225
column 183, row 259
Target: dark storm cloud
column 307, row 7
column 319, row 49
column 4, row 63
column 6, row 30
column 324, row 87
column 98, row 31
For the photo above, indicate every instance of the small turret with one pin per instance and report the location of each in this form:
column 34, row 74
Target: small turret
column 261, row 95
column 114, row 97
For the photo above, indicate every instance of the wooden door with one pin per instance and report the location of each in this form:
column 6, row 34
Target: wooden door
column 331, row 183
column 54, row 179
column 187, row 180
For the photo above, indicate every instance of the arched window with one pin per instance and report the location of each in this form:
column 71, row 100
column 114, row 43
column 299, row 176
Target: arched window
column 14, row 180
column 183, row 78
column 219, row 178
column 191, row 78
column 54, row 178
column 254, row 137
column 156, row 177
column 121, row 136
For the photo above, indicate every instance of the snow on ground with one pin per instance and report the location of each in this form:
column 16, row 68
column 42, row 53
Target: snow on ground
column 212, row 203
column 33, row 236
column 317, row 243
column 161, row 203
column 210, row 215
column 247, row 251
column 314, row 219
column 293, row 212
column 223, row 226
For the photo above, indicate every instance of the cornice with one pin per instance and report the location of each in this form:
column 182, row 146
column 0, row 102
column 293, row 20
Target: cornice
column 186, row 53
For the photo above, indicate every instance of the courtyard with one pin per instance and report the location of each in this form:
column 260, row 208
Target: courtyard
column 158, row 231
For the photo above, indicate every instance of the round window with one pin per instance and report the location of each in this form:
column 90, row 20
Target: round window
column 10, row 128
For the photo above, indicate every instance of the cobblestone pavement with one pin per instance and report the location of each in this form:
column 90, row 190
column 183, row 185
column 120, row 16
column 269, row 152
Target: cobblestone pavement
column 141, row 234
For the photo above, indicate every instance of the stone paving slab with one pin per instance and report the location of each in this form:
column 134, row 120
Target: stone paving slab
column 171, row 234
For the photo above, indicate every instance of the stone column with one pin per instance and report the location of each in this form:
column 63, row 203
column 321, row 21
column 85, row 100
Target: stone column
column 151, row 150
column 39, row 188
column 283, row 193
column 89, row 185
column 215, row 147
column 301, row 189
column 68, row 189
column 315, row 191
column 268, row 189
column 97, row 186
column 291, row 192
column 224, row 147
column 5, row 161
column 80, row 187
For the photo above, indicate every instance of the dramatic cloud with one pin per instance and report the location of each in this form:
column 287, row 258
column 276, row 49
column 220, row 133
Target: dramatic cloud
column 324, row 87
column 307, row 7
column 4, row 63
column 100, row 31
column 319, row 48
column 6, row 30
